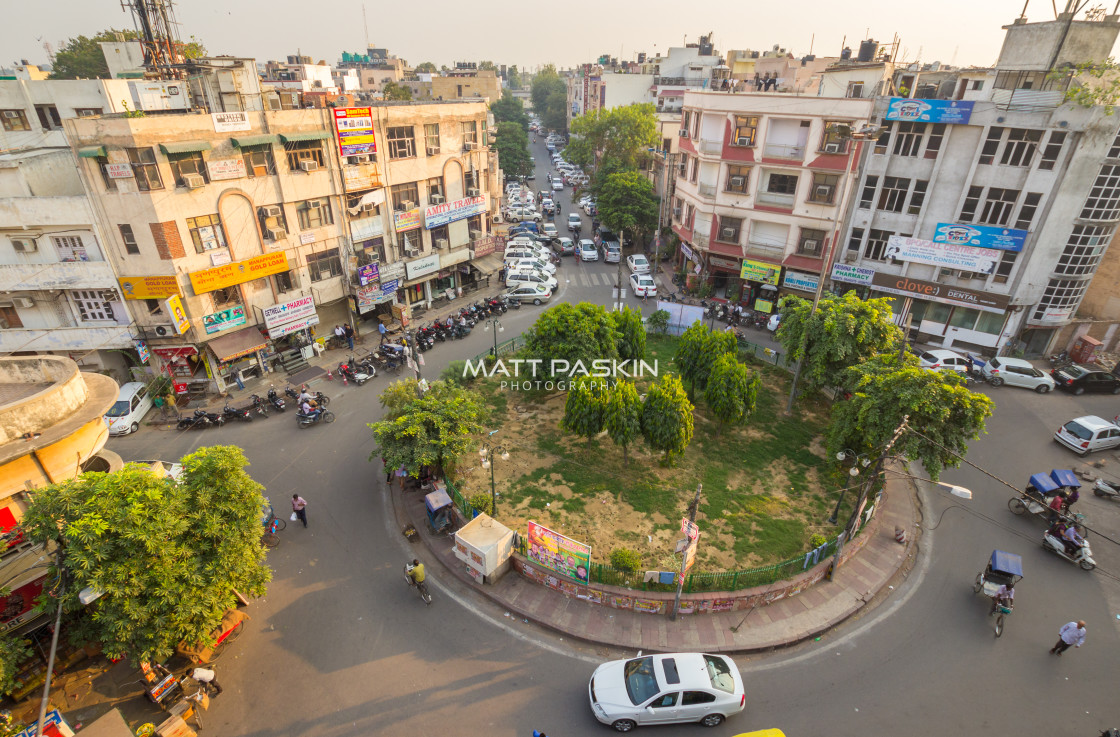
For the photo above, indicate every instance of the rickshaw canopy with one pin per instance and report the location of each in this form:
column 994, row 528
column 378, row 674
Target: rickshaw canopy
column 1043, row 483
column 1008, row 563
column 1065, row 478
column 437, row 500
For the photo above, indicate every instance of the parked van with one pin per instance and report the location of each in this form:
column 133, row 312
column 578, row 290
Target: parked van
column 128, row 411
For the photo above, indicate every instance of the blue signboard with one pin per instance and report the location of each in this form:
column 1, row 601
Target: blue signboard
column 930, row 111
column 984, row 236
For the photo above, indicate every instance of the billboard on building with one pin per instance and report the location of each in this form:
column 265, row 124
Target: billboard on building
column 558, row 553
column 760, row 271
column 929, row 111
column 948, row 255
column 983, row 236
column 238, row 272
column 905, row 286
column 148, row 287
column 354, row 128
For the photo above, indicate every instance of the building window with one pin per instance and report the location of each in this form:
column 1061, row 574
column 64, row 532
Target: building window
column 824, row 188
column 431, row 138
column 855, row 89
column 49, row 117
column 917, row 197
column 314, row 213
column 401, row 143
column 867, row 198
column 855, row 240
column 1020, row 146
column 1083, row 250
column 1061, row 295
column 9, row 318
column 300, row 151
column 371, row 251
column 833, row 142
column 730, row 229
column 1026, row 212
column 14, row 120
column 70, row 248
column 259, row 161
column 206, row 232
column 738, row 177
column 998, row 206
column 971, row 202
column 155, row 307
column 893, row 194
column 440, row 237
column 1113, row 151
column 274, row 224
column 92, row 304
column 145, row 169
column 435, row 189
column 103, row 166
column 678, row 209
column 682, row 167
column 811, row 243
column 694, row 169
column 469, row 129
column 87, row 112
column 411, row 242
column 883, row 142
column 876, row 244
column 285, row 281
column 474, row 224
column 908, row 138
column 782, row 184
column 933, row 142
column 226, row 296
column 991, row 145
column 324, row 265
column 404, row 196
column 746, row 128
column 1103, row 202
column 1003, row 269
column 187, row 163
column 1054, row 148
column 129, row 240
column 470, row 182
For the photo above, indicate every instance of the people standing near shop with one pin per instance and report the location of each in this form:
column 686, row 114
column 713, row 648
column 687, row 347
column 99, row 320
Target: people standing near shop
column 381, row 329
column 1071, row 633
column 339, row 335
column 299, row 506
column 348, row 332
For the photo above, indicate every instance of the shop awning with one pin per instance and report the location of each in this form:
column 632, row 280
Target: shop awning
column 92, row 152
column 184, row 147
column 305, row 136
column 245, row 141
column 238, row 343
column 488, row 264
column 804, row 263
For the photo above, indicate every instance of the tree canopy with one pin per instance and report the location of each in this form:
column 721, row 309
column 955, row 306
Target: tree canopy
column 583, row 408
column 631, row 340
column 582, row 332
column 433, row 429
column 626, row 201
column 426, row 67
column 82, row 58
column 169, row 556
column 667, row 417
column 732, row 390
column 513, row 78
column 549, row 93
column 698, row 350
column 619, row 137
column 394, row 91
column 512, row 145
column 510, row 110
column 622, row 416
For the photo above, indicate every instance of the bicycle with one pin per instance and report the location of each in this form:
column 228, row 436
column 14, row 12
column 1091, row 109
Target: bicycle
column 275, row 524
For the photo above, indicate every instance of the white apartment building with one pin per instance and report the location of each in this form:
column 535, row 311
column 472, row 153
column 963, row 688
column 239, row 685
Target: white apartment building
column 759, row 188
column 987, row 203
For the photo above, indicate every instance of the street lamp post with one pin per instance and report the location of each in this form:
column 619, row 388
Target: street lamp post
column 666, row 161
column 498, row 328
column 486, row 452
column 858, row 460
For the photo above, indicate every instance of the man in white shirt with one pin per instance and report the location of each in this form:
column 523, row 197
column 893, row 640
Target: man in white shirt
column 1005, row 596
column 1071, row 633
column 207, row 678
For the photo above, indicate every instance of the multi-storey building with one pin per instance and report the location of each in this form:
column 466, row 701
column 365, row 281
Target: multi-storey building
column 759, row 188
column 987, row 203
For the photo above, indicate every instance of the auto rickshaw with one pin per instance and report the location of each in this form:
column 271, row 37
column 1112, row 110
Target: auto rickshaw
column 440, row 510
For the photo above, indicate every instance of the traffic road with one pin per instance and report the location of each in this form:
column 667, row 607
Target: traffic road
column 341, row 645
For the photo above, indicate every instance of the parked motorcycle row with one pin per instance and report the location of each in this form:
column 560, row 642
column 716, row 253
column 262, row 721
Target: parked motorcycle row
column 726, row 313
column 459, row 324
column 201, row 419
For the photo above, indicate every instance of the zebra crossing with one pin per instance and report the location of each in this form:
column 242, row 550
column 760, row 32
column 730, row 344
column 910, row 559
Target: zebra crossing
column 585, row 278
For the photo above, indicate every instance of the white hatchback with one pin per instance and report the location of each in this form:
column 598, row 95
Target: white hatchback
column 942, row 360
column 1089, row 433
column 638, row 263
column 1016, row 372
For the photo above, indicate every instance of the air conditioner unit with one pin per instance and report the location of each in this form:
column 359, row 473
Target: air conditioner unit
column 474, row 234
column 738, row 181
column 25, row 245
column 314, row 204
column 823, row 191
column 832, row 148
column 408, row 205
column 470, row 146
column 358, row 159
column 472, row 192
column 742, row 141
column 810, row 244
column 24, row 303
column 437, row 199
column 677, row 213
column 368, row 207
column 684, row 133
column 275, row 234
column 727, row 233
column 441, row 243
column 193, row 181
column 163, row 330
column 412, row 252
column 433, row 150
column 272, row 211
column 309, row 165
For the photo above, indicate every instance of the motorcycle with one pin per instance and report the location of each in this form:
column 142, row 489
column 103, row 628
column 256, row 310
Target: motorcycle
column 316, row 416
column 322, row 399
column 422, row 587
column 200, row 420
column 236, row 413
column 1107, row 490
column 497, row 304
column 259, row 405
column 1082, row 556
column 1059, row 359
column 274, row 399
column 354, row 373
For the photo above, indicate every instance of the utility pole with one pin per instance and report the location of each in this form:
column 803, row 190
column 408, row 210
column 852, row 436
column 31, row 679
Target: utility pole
column 621, row 240
column 692, row 509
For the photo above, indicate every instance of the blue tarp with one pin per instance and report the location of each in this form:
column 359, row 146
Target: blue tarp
column 1065, row 478
column 1043, row 483
column 1007, row 563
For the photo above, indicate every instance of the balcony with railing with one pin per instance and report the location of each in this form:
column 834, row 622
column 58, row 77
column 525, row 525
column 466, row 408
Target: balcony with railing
column 784, row 151
column 776, row 199
column 765, row 248
column 707, row 191
column 708, row 146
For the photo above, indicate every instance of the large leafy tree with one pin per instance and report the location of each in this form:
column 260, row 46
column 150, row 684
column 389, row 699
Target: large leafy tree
column 513, row 78
column 168, row 556
column 626, row 202
column 512, row 146
column 487, row 66
column 545, row 82
column 843, row 332
column 426, row 67
column 583, row 409
column 81, row 57
column 620, row 136
column 510, row 110
column 394, row 91
column 631, row 340
column 698, row 350
column 555, row 116
column 622, row 416
column 582, row 332
column 667, row 417
column 732, row 391
column 432, row 429
column 939, row 405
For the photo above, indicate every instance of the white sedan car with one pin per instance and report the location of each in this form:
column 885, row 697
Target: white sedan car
column 587, row 251
column 666, row 689
column 1016, row 372
column 643, row 285
column 557, row 185
column 549, row 229
column 638, row 263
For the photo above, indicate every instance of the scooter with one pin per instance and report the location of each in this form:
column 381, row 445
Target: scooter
column 354, row 373
column 1083, row 556
column 274, row 399
column 1107, row 490
column 258, row 405
column 236, row 413
column 422, row 587
column 316, row 416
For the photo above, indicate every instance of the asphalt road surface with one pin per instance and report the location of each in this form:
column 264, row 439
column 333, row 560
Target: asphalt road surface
column 342, row 646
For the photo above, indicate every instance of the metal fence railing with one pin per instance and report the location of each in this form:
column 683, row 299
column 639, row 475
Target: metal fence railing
column 506, row 348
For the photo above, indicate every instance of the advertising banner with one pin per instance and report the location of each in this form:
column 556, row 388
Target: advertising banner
column 437, row 215
column 369, row 297
column 930, row 111
column 223, row 320
column 967, row 258
column 422, row 266
column 367, row 274
column 852, row 274
column 354, row 127
column 142, row 350
column 984, row 236
column 148, row 287
column 761, row 272
column 558, row 553
column 174, row 307
column 804, row 282
column 295, row 309
column 687, row 252
column 363, row 176
column 486, row 246
column 290, row 327
column 719, row 262
column 905, row 286
column 239, row 272
column 220, row 169
column 119, row 171
column 406, row 219
column 231, row 122
column 394, row 270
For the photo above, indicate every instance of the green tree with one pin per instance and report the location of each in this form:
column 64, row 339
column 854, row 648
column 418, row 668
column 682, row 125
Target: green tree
column 583, row 409
column 626, row 202
column 82, row 58
column 169, row 556
column 843, row 332
column 659, row 322
column 578, row 333
column 14, row 651
column 631, row 340
column 396, row 397
column 621, row 135
column 513, row 78
column 512, row 146
column 622, row 416
column 698, row 350
column 667, row 417
column 510, row 110
column 545, row 82
column 732, row 391
column 426, row 67
column 940, row 407
column 433, row 429
column 1094, row 84
column 194, row 49
column 555, row 115
column 394, row 91
column 487, row 66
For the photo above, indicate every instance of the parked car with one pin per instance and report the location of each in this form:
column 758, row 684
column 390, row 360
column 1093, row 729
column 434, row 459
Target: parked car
column 548, row 207
column 643, row 285
column 533, row 262
column 575, row 222
column 564, row 246
column 549, row 229
column 520, row 250
column 523, row 213
column 666, row 689
column 587, row 251
column 535, row 293
column 526, row 226
column 612, row 252
column 1016, row 372
column 126, row 414
column 518, row 277
column 531, row 176
column 557, row 185
column 942, row 360
column 1079, row 378
column 638, row 263
column 1087, row 434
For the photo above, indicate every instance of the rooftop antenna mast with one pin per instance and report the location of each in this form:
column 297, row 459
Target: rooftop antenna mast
column 365, row 24
column 156, row 26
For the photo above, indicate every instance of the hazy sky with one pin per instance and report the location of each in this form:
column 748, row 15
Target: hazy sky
column 528, row 33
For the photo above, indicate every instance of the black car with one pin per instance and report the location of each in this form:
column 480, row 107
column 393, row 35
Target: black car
column 1079, row 378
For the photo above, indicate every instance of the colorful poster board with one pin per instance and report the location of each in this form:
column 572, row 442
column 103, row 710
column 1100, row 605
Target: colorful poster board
column 983, row 236
column 929, row 111
column 148, row 287
column 224, row 319
column 760, row 271
column 354, row 128
column 558, row 553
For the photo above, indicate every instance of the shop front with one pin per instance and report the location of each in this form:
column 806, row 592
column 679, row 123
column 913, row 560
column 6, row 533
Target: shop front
column 485, row 263
column 760, row 291
column 290, row 324
column 187, row 368
column 420, row 276
column 725, row 272
column 237, row 357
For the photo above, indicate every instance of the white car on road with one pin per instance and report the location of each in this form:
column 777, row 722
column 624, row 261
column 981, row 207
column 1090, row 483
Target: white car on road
column 587, row 251
column 1089, row 433
column 638, row 263
column 575, row 222
column 643, row 285
column 1016, row 372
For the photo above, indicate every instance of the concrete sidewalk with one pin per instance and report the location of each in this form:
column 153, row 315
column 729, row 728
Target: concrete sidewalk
column 783, row 623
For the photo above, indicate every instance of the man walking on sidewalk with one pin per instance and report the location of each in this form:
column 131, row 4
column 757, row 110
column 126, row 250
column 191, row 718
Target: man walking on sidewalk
column 1072, row 633
column 299, row 506
column 381, row 329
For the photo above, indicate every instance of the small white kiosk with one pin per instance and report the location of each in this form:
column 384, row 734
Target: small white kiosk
column 485, row 546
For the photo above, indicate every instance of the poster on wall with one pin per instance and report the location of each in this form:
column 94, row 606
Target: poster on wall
column 354, row 128
column 558, row 553
column 232, row 122
column 449, row 212
column 224, row 320
column 950, row 255
column 929, row 111
column 760, row 271
column 984, row 236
